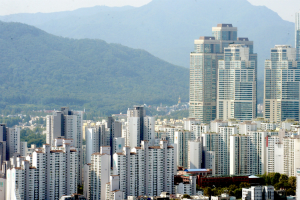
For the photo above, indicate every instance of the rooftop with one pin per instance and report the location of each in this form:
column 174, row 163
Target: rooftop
column 224, row 25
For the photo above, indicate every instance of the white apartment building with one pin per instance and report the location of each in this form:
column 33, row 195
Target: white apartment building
column 189, row 122
column 119, row 143
column 259, row 150
column 219, row 144
column 51, row 175
column 287, row 125
column 113, row 190
column 246, row 126
column 181, row 139
column 67, row 124
column 146, row 170
column 275, row 155
column 139, row 127
column 258, row 193
column 195, row 154
column 291, row 148
column 187, row 188
column 199, row 129
column 268, row 126
column 168, row 132
column 23, row 148
column 298, row 185
column 99, row 173
column 133, row 132
column 248, row 153
column 92, row 143
column 9, row 142
column 12, row 141
column 214, row 125
column 210, row 161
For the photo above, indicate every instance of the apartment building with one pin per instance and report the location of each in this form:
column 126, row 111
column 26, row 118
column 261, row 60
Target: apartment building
column 146, row 170
column 51, row 175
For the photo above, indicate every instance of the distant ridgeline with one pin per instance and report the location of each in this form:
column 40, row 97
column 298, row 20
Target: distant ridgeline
column 40, row 70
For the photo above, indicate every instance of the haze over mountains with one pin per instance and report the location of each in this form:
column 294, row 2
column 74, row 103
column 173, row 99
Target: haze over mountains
column 37, row 68
column 167, row 28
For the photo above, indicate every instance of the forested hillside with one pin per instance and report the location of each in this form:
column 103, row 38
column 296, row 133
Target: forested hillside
column 37, row 68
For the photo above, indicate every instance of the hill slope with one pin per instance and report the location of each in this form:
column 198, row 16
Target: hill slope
column 39, row 68
column 167, row 28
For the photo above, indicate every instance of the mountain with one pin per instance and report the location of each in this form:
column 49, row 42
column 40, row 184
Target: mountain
column 167, row 28
column 37, row 68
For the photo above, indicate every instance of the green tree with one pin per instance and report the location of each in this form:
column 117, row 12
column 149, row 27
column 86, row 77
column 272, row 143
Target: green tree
column 40, row 121
column 292, row 182
column 33, row 137
column 283, row 178
column 231, row 189
column 244, row 185
column 238, row 193
column 274, row 178
column 186, row 196
column 27, row 118
column 10, row 121
column 207, row 191
column 290, row 191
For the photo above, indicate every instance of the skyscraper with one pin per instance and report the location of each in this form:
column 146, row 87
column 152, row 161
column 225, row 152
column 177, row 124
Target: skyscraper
column 236, row 88
column 297, row 34
column 281, row 88
column 204, row 67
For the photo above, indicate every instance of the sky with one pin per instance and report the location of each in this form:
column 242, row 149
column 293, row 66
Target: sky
column 285, row 8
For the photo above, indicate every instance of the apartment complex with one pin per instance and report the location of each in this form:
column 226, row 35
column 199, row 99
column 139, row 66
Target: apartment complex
column 49, row 174
column 146, row 170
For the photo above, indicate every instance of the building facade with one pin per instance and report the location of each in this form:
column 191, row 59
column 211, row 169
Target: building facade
column 146, row 170
column 281, row 88
column 51, row 174
column 67, row 124
column 204, row 70
column 139, row 127
column 195, row 154
column 236, row 88
column 297, row 34
column 248, row 153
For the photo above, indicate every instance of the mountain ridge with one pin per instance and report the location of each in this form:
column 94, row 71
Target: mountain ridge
column 167, row 29
column 50, row 71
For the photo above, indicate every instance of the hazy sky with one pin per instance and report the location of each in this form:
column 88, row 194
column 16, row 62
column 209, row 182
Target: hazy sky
column 285, row 8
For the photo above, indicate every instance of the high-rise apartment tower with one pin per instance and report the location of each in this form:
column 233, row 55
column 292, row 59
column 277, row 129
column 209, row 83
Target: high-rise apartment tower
column 297, row 34
column 281, row 88
column 236, row 88
column 204, row 69
column 66, row 124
